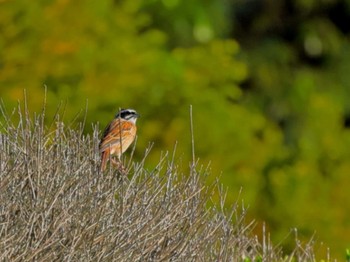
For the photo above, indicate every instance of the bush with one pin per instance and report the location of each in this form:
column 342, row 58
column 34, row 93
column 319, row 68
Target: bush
column 55, row 205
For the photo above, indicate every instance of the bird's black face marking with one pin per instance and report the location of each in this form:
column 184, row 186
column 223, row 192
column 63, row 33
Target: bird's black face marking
column 127, row 114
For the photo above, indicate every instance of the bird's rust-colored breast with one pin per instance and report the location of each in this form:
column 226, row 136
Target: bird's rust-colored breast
column 118, row 136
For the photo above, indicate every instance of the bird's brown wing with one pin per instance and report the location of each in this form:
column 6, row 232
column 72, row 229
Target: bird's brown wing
column 117, row 132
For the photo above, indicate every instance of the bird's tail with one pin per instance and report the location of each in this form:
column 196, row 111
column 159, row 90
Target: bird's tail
column 104, row 158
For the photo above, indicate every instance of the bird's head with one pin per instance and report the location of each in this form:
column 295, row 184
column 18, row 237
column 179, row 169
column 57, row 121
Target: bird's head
column 128, row 114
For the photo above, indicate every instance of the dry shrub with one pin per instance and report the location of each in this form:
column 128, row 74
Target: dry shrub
column 56, row 205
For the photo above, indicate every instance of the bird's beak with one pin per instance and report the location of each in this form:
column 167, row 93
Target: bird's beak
column 137, row 115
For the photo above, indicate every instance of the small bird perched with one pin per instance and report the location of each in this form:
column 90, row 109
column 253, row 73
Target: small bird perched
column 118, row 136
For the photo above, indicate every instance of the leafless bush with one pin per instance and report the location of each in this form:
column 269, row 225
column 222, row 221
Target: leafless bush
column 56, row 205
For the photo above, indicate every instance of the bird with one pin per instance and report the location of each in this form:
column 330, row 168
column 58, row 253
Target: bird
column 118, row 136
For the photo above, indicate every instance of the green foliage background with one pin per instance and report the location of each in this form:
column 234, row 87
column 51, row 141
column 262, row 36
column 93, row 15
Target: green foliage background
column 269, row 84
